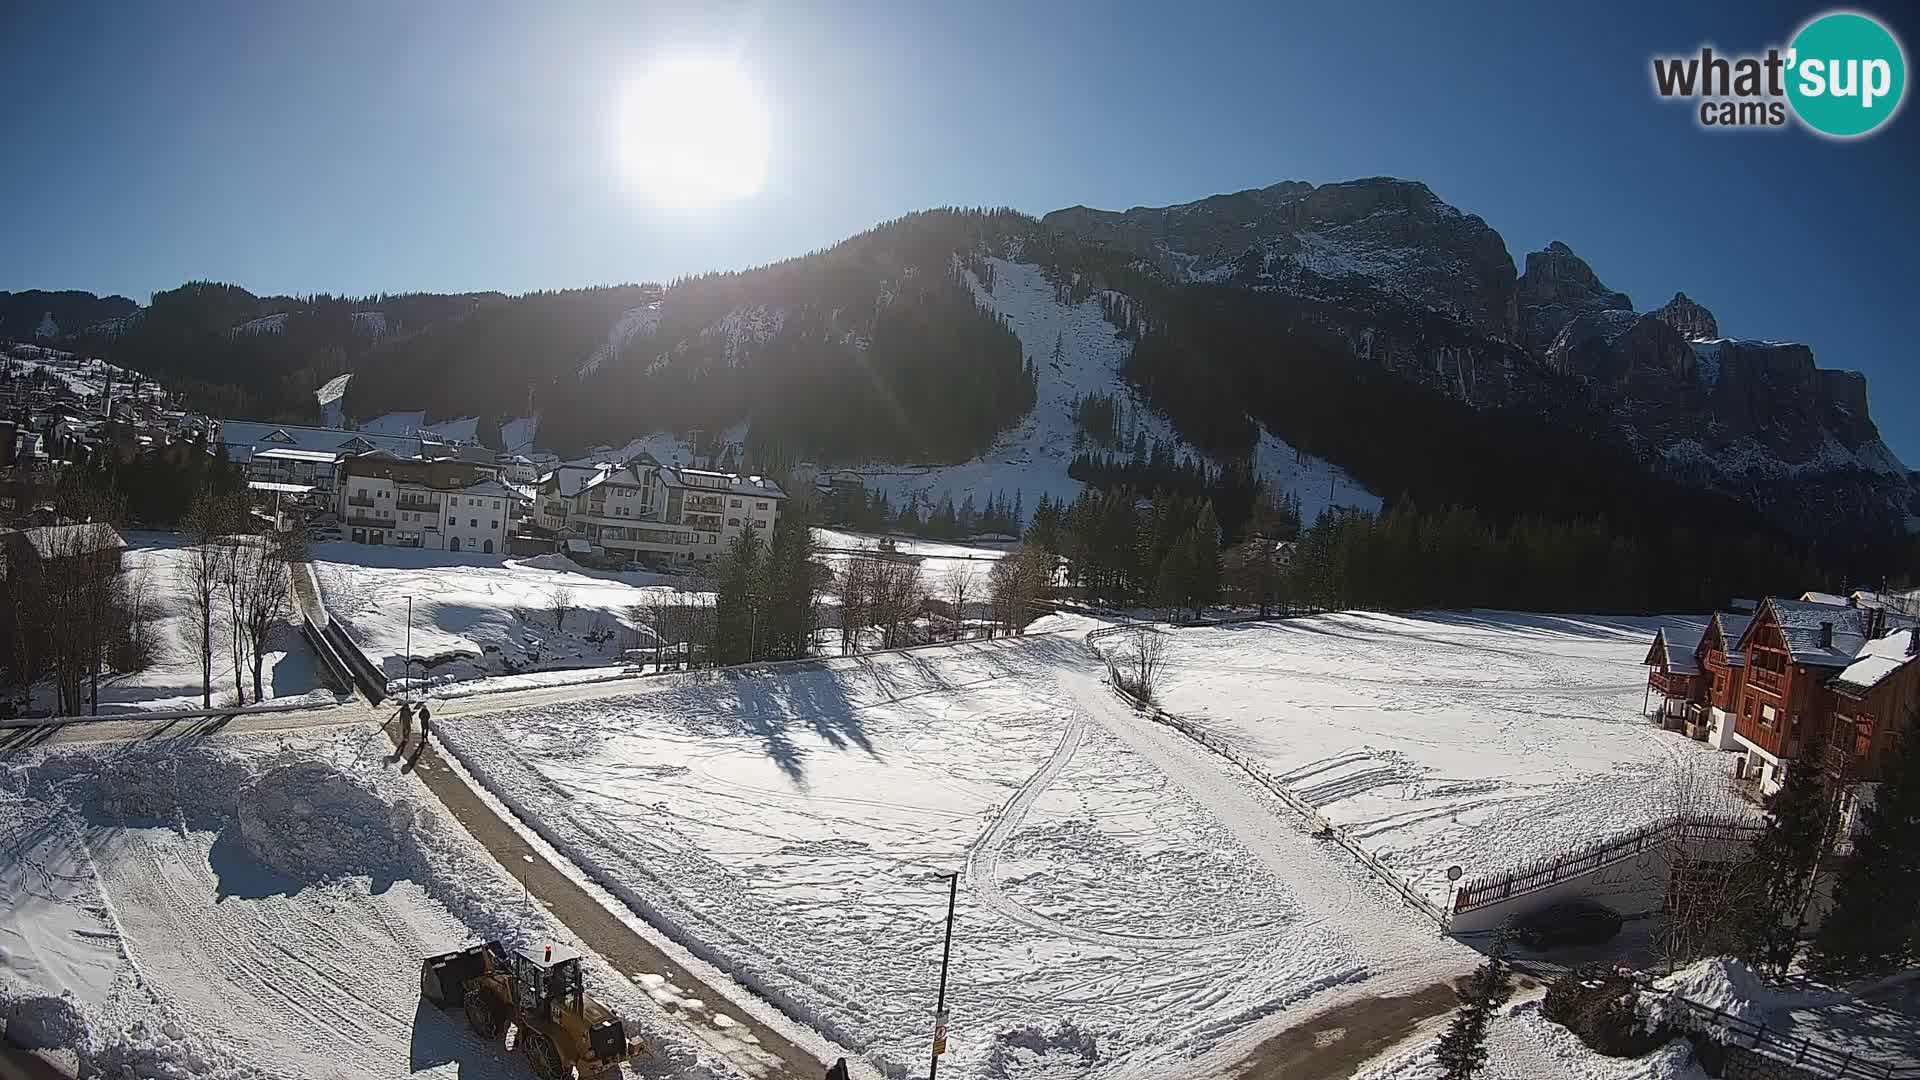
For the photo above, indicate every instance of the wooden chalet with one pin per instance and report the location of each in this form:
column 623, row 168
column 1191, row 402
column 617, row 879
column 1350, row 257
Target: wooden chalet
column 1674, row 674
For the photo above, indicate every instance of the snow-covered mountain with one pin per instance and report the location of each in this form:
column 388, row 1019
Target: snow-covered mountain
column 1429, row 292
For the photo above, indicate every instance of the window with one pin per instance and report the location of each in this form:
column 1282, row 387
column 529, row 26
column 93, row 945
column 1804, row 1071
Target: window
column 496, row 504
column 734, row 522
column 495, row 525
column 473, row 523
column 736, row 503
column 451, row 522
column 759, row 506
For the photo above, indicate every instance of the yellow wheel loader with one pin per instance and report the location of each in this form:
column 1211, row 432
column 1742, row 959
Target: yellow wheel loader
column 539, row 992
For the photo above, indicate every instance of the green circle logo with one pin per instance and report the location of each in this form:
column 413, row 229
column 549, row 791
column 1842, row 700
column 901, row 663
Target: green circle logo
column 1846, row 74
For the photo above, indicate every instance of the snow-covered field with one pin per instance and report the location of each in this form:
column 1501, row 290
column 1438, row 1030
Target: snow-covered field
column 1126, row 903
column 938, row 560
column 154, row 562
column 474, row 614
column 1486, row 739
column 253, row 906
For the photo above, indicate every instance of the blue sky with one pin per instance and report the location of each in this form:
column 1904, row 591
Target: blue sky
column 358, row 148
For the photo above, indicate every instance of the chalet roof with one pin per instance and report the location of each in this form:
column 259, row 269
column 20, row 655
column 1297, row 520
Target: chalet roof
column 243, row 437
column 571, row 480
column 1800, row 622
column 1812, row 597
column 1733, row 630
column 1877, row 661
column 1673, row 649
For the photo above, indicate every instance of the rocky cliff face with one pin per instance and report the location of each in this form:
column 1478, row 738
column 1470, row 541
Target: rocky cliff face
column 1692, row 321
column 1428, row 292
column 1558, row 287
column 1393, row 236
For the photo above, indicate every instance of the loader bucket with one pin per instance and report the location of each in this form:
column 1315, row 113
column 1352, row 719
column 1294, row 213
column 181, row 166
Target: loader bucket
column 443, row 978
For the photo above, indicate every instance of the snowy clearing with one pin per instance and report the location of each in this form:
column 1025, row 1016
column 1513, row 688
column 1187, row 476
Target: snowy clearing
column 254, row 906
column 476, row 616
column 1486, row 739
column 156, row 561
column 1125, row 902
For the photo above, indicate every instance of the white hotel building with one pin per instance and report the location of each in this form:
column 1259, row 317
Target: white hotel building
column 656, row 514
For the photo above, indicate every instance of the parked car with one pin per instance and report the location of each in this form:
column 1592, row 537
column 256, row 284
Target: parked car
column 1578, row 923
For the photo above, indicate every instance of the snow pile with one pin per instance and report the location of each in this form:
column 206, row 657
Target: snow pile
column 310, row 821
column 1524, row 1045
column 1029, row 1053
column 44, row 1022
column 209, row 905
column 1718, row 982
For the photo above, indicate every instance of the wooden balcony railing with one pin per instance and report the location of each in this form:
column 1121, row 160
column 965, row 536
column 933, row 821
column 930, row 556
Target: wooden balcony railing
column 1769, row 681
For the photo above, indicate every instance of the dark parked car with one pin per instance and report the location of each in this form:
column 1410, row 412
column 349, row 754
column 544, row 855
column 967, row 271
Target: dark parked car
column 1577, row 923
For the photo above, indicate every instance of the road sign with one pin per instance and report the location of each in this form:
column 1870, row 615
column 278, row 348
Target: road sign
column 1454, row 872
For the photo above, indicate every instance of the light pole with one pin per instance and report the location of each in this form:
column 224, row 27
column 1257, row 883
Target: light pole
column 940, row 1007
column 406, row 670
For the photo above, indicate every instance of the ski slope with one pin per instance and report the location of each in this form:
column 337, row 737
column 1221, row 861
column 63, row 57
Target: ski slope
column 255, row 906
column 1483, row 739
column 1126, row 904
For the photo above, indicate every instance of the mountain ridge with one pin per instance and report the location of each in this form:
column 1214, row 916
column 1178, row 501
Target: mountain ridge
column 1412, row 285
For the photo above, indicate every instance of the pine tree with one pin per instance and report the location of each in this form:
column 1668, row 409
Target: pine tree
column 1875, row 922
column 1463, row 1049
column 1785, row 857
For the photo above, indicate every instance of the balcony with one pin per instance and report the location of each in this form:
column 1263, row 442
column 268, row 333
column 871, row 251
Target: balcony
column 711, row 504
column 1762, row 679
column 701, row 521
column 419, row 507
column 357, row 500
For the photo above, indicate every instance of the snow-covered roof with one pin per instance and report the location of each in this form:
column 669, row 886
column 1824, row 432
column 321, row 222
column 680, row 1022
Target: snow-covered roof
column 59, row 541
column 1801, row 625
column 484, row 489
column 1674, row 648
column 1733, row 630
column 1812, row 597
column 571, row 480
column 283, row 453
column 243, row 437
column 1876, row 661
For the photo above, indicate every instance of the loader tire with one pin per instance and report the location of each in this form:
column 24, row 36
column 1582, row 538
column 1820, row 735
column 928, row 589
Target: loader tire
column 544, row 1057
column 483, row 1013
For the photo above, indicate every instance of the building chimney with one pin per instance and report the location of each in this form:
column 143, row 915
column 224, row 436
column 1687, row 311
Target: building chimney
column 1913, row 642
column 1876, row 622
column 1826, row 635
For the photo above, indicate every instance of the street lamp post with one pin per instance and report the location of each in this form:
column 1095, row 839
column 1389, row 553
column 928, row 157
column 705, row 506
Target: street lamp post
column 940, row 1007
column 406, row 670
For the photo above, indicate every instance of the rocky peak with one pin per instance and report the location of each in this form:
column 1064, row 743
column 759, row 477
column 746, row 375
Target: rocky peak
column 1558, row 287
column 1394, row 237
column 1694, row 322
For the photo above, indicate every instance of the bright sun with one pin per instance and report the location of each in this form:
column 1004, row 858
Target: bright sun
column 693, row 132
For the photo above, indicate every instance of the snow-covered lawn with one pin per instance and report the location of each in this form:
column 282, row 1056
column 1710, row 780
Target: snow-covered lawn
column 154, row 562
column 938, row 559
column 1486, row 739
column 473, row 615
column 1124, row 904
column 253, row 906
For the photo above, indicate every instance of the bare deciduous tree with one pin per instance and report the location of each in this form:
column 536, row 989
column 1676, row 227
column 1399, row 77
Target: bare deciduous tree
column 199, row 580
column 961, row 579
column 1142, row 663
column 899, row 596
column 560, row 602
column 1712, row 882
column 260, row 586
column 1015, row 584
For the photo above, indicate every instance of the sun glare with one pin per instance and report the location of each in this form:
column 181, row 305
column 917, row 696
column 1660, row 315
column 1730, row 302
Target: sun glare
column 694, row 132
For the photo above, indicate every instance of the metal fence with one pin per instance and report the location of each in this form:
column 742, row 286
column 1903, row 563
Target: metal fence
column 1793, row 1050
column 1505, row 885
